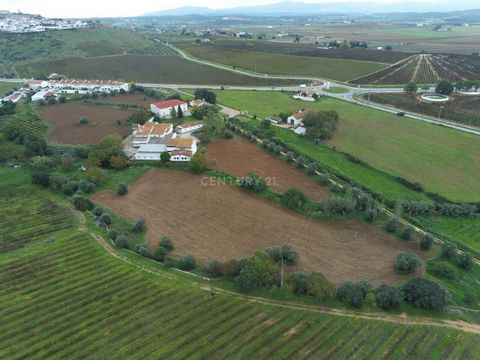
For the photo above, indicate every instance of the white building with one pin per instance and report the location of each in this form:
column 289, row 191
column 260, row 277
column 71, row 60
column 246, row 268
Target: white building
column 37, row 84
column 150, row 151
column 189, row 127
column 180, row 149
column 152, row 132
column 164, row 108
column 307, row 95
column 44, row 95
column 297, row 118
column 181, row 155
column 69, row 85
column 186, row 143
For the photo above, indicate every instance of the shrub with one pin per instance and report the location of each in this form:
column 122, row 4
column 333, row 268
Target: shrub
column 166, row 243
column 465, row 261
column 408, row 232
column 294, row 199
column 406, row 263
column 112, row 234
column 122, row 190
column 427, row 241
column 290, row 156
column 105, row 219
column 324, row 179
column 86, row 186
column 424, row 294
column 442, row 269
column 319, row 287
column 160, row 254
column 83, row 121
column 138, row 226
column 98, row 211
column 312, row 168
column 388, row 297
column 165, row 157
column 253, row 182
column 82, row 203
column 214, row 269
column 187, row 263
column 227, row 134
column 121, row 241
column 449, row 250
column 143, row 250
column 298, row 282
column 392, row 225
column 231, row 268
column 258, row 270
column 370, row 215
column 352, row 294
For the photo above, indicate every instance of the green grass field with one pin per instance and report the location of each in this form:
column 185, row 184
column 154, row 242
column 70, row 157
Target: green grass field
column 142, row 68
column 63, row 296
column 279, row 64
column 443, row 160
column 7, row 86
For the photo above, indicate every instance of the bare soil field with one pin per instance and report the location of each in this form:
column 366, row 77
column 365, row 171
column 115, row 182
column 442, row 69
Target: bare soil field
column 238, row 157
column 213, row 221
column 130, row 99
column 65, row 118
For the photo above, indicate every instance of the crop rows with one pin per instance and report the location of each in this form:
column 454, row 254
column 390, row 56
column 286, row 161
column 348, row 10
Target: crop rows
column 427, row 69
column 27, row 120
column 70, row 299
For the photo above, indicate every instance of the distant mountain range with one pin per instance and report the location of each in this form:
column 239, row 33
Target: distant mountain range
column 299, row 8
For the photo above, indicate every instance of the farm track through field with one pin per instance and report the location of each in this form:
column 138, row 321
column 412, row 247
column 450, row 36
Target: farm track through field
column 400, row 319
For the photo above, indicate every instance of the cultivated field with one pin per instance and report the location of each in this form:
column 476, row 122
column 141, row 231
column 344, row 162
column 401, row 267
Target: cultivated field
column 142, row 68
column 443, row 160
column 311, row 50
column 239, row 157
column 64, row 118
column 214, row 221
column 464, row 109
column 427, row 69
column 280, row 64
column 137, row 99
column 27, row 119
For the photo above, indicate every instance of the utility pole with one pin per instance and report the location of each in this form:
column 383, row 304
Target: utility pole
column 440, row 112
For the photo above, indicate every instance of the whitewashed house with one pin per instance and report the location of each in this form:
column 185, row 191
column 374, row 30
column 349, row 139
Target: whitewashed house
column 307, row 95
column 189, row 127
column 164, row 108
column 297, row 118
column 37, row 84
column 186, row 143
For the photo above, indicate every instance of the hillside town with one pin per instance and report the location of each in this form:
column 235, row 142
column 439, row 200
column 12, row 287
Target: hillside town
column 25, row 23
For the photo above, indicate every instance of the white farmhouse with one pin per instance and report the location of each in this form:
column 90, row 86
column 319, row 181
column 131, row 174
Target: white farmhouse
column 189, row 127
column 151, row 132
column 179, row 144
column 297, row 118
column 164, row 108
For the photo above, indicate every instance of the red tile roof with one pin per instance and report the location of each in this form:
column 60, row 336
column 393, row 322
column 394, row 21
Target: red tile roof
column 168, row 103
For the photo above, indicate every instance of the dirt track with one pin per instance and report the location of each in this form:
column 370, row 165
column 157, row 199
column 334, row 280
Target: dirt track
column 221, row 222
column 65, row 121
column 238, row 157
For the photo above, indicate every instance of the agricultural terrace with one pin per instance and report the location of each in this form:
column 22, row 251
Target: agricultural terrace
column 67, row 297
column 218, row 221
column 280, row 64
column 443, row 160
column 26, row 118
column 427, row 69
column 143, row 68
column 239, row 157
column 67, row 129
column 463, row 109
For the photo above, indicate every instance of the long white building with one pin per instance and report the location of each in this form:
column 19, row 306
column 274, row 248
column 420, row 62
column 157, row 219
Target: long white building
column 79, row 85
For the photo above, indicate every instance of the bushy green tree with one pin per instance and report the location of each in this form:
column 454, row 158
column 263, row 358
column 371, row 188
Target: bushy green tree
column 444, row 87
column 449, row 250
column 424, row 294
column 253, row 183
column 122, row 189
column 138, row 226
column 105, row 219
column 166, row 243
column 388, row 297
column 408, row 232
column 121, row 241
column 407, row 263
column 442, row 269
column 465, row 261
column 353, row 294
column 214, row 269
column 411, row 88
column 427, row 241
column 257, row 271
column 83, row 203
column 294, row 199
column 187, row 263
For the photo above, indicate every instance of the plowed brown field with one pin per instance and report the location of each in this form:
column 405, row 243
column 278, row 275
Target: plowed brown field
column 221, row 222
column 65, row 121
column 238, row 157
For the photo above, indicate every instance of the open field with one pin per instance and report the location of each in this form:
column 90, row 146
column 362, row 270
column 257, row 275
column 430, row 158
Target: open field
column 137, row 99
column 7, row 86
column 64, row 118
column 464, row 109
column 142, row 68
column 427, row 69
column 443, row 160
column 279, row 64
column 69, row 298
column 239, row 157
column 221, row 222
column 306, row 49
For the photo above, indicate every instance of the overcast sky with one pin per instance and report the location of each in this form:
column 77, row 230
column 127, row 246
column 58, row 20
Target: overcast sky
column 113, row 8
